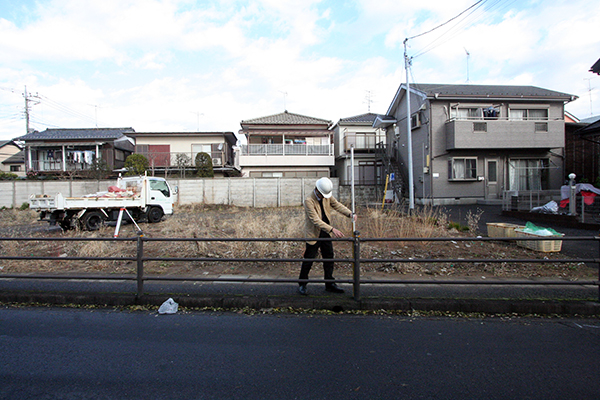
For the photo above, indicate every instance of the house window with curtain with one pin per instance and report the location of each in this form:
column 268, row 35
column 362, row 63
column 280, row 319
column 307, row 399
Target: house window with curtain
column 462, row 169
column 524, row 114
column 528, row 174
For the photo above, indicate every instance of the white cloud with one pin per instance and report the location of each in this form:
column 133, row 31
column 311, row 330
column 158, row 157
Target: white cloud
column 156, row 65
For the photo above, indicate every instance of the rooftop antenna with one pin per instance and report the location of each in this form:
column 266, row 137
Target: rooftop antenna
column 284, row 102
column 468, row 56
column 590, row 93
column 369, row 99
column 198, row 114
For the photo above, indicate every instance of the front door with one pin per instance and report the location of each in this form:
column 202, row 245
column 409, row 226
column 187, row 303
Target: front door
column 491, row 179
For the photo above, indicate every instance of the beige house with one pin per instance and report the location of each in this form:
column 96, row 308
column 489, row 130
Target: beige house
column 358, row 132
column 12, row 158
column 178, row 150
column 286, row 145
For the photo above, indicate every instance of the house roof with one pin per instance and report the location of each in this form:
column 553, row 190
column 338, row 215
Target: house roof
column 596, row 67
column 286, row 118
column 77, row 134
column 590, row 120
column 17, row 158
column 592, row 129
column 478, row 92
column 492, row 91
column 229, row 136
column 359, row 119
column 8, row 142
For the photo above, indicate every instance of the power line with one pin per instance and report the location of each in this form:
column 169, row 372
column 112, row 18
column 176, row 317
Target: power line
column 450, row 20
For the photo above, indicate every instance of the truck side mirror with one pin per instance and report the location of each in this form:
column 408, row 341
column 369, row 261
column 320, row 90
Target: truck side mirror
column 176, row 190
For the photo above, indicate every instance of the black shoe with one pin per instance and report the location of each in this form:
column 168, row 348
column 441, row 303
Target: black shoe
column 333, row 288
column 302, row 290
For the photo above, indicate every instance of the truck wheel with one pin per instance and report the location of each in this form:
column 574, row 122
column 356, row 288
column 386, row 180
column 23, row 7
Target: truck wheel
column 92, row 220
column 155, row 214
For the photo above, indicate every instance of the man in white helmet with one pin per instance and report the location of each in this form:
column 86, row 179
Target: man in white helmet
column 318, row 208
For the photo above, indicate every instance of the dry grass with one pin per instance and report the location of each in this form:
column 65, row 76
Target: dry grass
column 233, row 222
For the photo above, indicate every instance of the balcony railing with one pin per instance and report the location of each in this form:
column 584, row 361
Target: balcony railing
column 286, row 149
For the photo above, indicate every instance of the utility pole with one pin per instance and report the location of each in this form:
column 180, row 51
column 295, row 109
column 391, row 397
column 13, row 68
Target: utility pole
column 29, row 101
column 411, row 189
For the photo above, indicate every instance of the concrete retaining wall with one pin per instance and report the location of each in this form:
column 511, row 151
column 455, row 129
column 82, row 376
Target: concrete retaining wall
column 242, row 192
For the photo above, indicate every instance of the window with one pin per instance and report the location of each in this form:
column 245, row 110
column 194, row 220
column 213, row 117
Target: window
column 462, row 169
column 528, row 174
column 528, row 114
column 161, row 186
column 15, row 168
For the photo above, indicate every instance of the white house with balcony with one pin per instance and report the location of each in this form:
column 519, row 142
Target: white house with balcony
column 472, row 142
column 357, row 132
column 286, row 145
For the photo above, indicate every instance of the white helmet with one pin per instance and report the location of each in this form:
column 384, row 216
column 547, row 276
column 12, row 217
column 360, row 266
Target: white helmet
column 324, row 186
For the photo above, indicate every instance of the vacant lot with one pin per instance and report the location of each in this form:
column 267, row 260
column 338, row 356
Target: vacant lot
column 232, row 222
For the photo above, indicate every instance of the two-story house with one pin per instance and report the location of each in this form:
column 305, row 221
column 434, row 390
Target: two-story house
column 471, row 142
column 178, row 150
column 286, row 145
column 357, row 132
column 69, row 150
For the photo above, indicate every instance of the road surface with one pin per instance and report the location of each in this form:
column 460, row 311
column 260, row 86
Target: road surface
column 62, row 353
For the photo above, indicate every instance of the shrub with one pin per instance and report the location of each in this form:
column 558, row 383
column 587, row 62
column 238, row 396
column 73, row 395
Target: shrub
column 204, row 168
column 8, row 176
column 136, row 164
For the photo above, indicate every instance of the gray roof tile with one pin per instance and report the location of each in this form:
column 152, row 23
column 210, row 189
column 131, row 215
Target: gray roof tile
column 77, row 134
column 467, row 90
column 286, row 118
column 357, row 119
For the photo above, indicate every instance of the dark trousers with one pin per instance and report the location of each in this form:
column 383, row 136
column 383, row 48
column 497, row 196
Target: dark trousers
column 312, row 251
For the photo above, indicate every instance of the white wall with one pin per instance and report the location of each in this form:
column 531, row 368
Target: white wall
column 242, row 192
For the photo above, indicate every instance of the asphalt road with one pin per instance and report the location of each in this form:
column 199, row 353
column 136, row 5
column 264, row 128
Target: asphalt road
column 102, row 354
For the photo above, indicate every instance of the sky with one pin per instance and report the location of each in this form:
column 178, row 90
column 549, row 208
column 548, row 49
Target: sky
column 184, row 66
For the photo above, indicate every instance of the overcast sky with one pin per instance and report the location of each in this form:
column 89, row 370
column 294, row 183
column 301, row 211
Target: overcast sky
column 182, row 65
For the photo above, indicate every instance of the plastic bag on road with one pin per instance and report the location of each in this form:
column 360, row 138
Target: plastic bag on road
column 168, row 307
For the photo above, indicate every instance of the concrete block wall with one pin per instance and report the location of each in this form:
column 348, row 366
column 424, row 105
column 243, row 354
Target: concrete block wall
column 241, row 192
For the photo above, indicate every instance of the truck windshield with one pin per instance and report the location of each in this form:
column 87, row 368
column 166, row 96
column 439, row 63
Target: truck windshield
column 161, row 186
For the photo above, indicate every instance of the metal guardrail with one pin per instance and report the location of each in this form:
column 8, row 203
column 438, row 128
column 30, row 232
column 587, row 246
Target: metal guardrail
column 356, row 261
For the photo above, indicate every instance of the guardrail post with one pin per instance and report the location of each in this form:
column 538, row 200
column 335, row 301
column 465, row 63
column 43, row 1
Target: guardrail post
column 356, row 269
column 140, row 266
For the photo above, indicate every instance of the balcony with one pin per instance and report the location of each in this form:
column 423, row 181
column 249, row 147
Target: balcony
column 363, row 142
column 503, row 134
column 286, row 155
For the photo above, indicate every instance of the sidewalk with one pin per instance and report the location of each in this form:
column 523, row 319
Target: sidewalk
column 472, row 298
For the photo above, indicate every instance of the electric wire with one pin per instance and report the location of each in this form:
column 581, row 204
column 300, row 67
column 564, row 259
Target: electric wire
column 450, row 20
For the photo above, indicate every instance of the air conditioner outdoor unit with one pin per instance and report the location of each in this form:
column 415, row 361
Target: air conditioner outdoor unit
column 217, row 161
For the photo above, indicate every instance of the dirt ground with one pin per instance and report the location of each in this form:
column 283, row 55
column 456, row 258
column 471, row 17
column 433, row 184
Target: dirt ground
column 232, row 222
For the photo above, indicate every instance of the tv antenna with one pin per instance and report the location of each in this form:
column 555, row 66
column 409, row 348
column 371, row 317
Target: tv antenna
column 590, row 88
column 369, row 99
column 284, row 98
column 468, row 56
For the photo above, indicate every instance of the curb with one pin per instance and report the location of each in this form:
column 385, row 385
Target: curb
column 336, row 304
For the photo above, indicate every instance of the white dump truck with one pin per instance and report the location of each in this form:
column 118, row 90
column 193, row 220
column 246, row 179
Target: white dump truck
column 144, row 197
